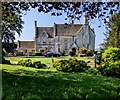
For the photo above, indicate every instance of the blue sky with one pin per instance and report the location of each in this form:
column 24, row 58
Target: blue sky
column 48, row 20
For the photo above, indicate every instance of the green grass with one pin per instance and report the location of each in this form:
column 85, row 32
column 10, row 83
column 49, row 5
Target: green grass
column 42, row 59
column 49, row 60
column 25, row 83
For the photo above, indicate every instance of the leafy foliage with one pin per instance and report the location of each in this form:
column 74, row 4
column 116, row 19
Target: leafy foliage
column 11, row 22
column 38, row 64
column 28, row 63
column 113, row 69
column 89, row 53
column 36, row 54
column 72, row 53
column 93, row 71
column 12, row 13
column 111, row 62
column 112, row 35
column 9, row 46
column 71, row 65
column 111, row 55
column 85, row 52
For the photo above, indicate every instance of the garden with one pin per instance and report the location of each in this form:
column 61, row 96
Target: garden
column 66, row 78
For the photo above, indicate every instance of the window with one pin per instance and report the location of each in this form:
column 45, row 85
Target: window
column 66, row 46
column 44, row 42
column 65, row 40
column 58, row 47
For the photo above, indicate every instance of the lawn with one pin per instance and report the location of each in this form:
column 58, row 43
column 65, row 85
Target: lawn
column 49, row 59
column 25, row 83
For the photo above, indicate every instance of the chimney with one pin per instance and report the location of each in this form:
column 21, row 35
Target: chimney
column 35, row 35
column 86, row 19
column 35, row 23
column 55, row 29
column 18, row 45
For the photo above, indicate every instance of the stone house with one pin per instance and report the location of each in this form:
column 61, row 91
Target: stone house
column 63, row 37
column 26, row 47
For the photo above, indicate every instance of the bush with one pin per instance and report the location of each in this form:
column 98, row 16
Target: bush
column 5, row 61
column 27, row 63
column 111, row 62
column 72, row 53
column 83, row 50
column 82, row 55
column 89, row 53
column 111, row 55
column 20, row 62
column 36, row 54
column 93, row 71
column 63, row 53
column 113, row 69
column 38, row 64
column 71, row 65
column 44, row 66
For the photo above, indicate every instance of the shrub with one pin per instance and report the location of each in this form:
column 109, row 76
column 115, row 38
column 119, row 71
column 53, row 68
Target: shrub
column 27, row 63
column 5, row 61
column 38, row 64
column 72, row 53
column 111, row 54
column 44, row 66
column 36, row 54
column 82, row 55
column 89, row 53
column 20, row 62
column 63, row 53
column 111, row 62
column 113, row 69
column 71, row 65
column 83, row 50
column 93, row 71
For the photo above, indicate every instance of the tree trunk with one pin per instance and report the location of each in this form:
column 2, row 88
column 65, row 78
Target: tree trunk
column 118, row 38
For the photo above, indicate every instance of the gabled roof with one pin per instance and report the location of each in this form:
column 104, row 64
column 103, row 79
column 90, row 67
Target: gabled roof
column 49, row 31
column 60, row 29
column 74, row 45
column 68, row 30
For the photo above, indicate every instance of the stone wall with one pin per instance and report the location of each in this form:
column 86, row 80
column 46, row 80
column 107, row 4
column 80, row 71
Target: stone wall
column 26, row 46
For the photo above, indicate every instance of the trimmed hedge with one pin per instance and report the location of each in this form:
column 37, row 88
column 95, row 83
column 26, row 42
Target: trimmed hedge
column 71, row 65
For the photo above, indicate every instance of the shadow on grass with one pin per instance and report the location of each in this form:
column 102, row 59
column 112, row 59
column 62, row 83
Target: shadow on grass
column 39, row 85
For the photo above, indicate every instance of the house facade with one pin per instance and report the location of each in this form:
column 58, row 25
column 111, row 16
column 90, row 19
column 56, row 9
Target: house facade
column 63, row 37
column 26, row 47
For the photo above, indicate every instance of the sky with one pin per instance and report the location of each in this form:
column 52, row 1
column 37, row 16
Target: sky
column 28, row 32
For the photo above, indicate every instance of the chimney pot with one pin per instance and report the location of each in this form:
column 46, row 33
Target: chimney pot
column 86, row 19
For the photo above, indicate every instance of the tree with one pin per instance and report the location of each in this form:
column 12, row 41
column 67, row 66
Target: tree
column 113, row 32
column 12, row 13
